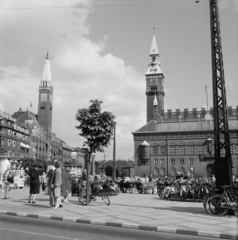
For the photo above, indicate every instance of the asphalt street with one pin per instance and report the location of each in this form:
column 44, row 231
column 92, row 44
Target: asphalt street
column 135, row 212
column 17, row 228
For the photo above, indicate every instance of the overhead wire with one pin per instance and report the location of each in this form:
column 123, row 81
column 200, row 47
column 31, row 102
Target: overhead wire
column 103, row 6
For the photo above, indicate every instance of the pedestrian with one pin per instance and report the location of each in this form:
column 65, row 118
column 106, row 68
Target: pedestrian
column 49, row 177
column 56, row 185
column 82, row 187
column 34, row 174
column 66, row 184
column 43, row 181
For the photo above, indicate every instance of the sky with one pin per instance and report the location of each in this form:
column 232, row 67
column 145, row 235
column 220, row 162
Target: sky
column 99, row 49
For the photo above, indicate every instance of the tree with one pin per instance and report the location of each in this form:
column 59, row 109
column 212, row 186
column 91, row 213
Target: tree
column 97, row 127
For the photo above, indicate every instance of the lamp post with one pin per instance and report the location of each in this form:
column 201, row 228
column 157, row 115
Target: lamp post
column 167, row 149
column 114, row 154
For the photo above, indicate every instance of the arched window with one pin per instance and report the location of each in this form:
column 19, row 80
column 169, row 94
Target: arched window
column 162, row 171
column 173, row 172
column 156, row 171
column 182, row 170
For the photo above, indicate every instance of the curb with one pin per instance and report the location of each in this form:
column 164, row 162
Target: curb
column 126, row 225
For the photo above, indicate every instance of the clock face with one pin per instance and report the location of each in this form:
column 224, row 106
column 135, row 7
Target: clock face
column 43, row 97
column 153, row 82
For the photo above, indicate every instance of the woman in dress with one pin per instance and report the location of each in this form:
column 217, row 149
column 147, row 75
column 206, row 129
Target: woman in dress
column 34, row 174
column 66, row 184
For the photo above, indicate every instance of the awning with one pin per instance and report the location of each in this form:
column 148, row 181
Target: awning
column 22, row 145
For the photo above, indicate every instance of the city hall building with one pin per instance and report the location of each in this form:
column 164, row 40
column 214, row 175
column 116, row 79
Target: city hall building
column 179, row 140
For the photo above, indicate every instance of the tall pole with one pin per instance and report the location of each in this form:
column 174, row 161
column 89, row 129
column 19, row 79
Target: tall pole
column 114, row 155
column 167, row 149
column 222, row 164
column 150, row 149
column 88, row 178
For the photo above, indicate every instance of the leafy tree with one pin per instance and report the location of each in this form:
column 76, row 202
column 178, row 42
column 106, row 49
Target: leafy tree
column 96, row 126
column 28, row 162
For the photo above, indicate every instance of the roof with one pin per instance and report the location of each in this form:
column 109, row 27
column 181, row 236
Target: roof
column 183, row 126
column 16, row 115
column 21, row 117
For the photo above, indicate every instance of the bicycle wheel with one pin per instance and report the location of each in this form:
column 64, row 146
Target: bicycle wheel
column 218, row 205
column 236, row 210
column 205, row 204
column 105, row 198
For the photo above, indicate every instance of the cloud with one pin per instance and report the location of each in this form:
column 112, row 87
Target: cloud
column 223, row 4
column 82, row 70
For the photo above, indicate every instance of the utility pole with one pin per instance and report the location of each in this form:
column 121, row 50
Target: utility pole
column 222, row 165
column 114, row 155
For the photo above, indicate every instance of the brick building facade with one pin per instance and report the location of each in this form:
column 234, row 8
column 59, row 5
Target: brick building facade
column 173, row 141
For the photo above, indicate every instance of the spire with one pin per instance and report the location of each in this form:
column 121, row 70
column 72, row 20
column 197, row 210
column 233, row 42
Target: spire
column 154, row 49
column 154, row 65
column 46, row 79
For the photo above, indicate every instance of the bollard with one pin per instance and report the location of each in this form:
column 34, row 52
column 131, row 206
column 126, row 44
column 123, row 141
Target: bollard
column 6, row 190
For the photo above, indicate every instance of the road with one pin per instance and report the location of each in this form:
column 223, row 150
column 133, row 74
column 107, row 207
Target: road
column 20, row 228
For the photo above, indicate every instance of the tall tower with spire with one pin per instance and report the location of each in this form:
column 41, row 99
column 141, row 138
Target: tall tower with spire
column 154, row 82
column 45, row 98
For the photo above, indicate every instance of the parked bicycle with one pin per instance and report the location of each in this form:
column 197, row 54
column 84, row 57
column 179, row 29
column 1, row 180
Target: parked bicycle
column 96, row 190
column 223, row 203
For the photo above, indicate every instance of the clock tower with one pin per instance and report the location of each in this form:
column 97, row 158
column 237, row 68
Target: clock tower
column 154, row 82
column 45, row 98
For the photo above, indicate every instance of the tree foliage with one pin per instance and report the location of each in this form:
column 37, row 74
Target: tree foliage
column 28, row 162
column 96, row 126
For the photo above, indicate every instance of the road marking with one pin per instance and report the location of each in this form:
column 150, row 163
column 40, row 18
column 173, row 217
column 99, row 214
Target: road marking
column 45, row 235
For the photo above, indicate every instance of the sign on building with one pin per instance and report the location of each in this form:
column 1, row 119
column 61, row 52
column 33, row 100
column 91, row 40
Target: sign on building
column 73, row 155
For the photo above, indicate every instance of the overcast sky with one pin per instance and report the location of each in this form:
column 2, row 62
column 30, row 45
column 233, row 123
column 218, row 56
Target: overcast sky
column 99, row 49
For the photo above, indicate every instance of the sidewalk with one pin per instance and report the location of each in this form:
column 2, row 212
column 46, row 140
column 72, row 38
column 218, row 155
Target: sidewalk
column 137, row 211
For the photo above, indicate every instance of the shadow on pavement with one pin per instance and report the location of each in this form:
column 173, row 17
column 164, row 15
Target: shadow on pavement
column 194, row 210
column 36, row 205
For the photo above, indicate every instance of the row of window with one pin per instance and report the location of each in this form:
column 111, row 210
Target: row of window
column 172, row 161
column 191, row 150
column 6, row 122
column 172, row 173
column 9, row 142
column 12, row 153
column 66, row 153
column 18, row 135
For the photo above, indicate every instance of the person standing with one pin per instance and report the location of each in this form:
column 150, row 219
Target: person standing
column 34, row 174
column 49, row 177
column 56, row 184
column 66, row 184
column 82, row 187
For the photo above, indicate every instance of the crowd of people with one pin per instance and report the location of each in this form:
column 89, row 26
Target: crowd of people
column 57, row 179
